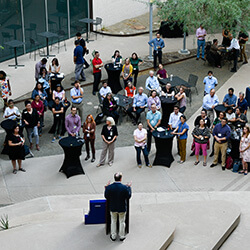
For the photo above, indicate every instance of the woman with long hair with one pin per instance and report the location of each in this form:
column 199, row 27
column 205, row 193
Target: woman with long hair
column 89, row 128
column 16, row 149
column 5, row 89
column 38, row 105
column 135, row 62
column 127, row 71
column 54, row 67
column 117, row 58
column 245, row 149
column 110, row 107
column 39, row 90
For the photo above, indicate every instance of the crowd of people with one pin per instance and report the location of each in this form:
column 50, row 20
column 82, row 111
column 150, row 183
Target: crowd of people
column 49, row 94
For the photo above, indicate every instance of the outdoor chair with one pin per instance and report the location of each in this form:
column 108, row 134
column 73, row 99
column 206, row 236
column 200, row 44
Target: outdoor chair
column 192, row 80
column 98, row 21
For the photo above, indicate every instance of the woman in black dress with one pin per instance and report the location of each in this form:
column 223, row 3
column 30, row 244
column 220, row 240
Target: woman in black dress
column 16, row 149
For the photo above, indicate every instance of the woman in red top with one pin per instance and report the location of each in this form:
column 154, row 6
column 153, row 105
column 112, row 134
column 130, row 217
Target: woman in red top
column 37, row 104
column 97, row 65
column 130, row 90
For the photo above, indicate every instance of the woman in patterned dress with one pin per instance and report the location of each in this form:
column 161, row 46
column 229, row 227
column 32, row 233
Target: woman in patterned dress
column 5, row 87
column 245, row 149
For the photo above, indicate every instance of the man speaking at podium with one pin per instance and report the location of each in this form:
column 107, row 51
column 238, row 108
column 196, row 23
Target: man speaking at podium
column 117, row 195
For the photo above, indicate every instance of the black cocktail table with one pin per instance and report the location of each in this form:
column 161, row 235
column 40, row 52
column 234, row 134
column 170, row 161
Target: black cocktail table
column 47, row 35
column 72, row 148
column 14, row 27
column 175, row 81
column 114, row 72
column 163, row 144
column 220, row 108
column 87, row 21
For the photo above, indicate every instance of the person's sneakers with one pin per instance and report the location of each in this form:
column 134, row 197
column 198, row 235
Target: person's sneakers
column 87, row 157
column 122, row 239
column 93, row 160
column 93, row 92
column 139, row 166
column 37, row 147
column 110, row 163
column 112, row 238
column 181, row 162
column 212, row 154
column 31, row 154
column 204, row 164
column 22, row 169
column 223, row 168
column 59, row 137
column 82, row 80
column 149, row 165
column 196, row 163
column 53, row 140
column 14, row 171
column 99, row 165
column 192, row 154
column 245, row 63
column 213, row 165
column 233, row 70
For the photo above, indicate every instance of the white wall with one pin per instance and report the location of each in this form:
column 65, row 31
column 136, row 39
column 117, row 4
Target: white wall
column 114, row 11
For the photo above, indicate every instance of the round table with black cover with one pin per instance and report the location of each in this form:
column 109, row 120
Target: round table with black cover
column 219, row 108
column 72, row 148
column 114, row 73
column 167, row 105
column 164, row 144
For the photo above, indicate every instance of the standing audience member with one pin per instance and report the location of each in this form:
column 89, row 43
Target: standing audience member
column 58, row 114
column 174, row 118
column 109, row 135
column 139, row 104
column 230, row 99
column 130, row 90
column 235, row 47
column 209, row 102
column 38, row 67
column 245, row 149
column 73, row 123
column 201, row 34
column 54, row 67
column 242, row 103
column 31, row 120
column 76, row 94
column 117, row 195
column 117, row 58
column 16, row 149
column 201, row 136
column 161, row 73
column 79, row 61
column 105, row 89
column 243, row 38
column 158, row 44
column 39, row 90
column 5, row 89
column 154, row 99
column 210, row 82
column 97, row 65
column 89, row 128
column 221, row 135
column 140, row 137
column 12, row 112
column 182, row 133
column 152, row 83
column 153, row 121
column 37, row 104
column 135, row 62
column 240, row 119
column 127, row 71
column 227, row 37
column 182, row 99
column 84, row 47
column 110, row 107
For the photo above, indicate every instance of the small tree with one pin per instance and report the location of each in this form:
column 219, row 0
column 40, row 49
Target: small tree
column 213, row 14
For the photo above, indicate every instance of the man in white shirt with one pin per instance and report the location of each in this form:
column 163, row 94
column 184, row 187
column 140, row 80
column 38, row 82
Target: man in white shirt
column 210, row 82
column 105, row 89
column 174, row 118
column 152, row 83
column 209, row 103
column 235, row 47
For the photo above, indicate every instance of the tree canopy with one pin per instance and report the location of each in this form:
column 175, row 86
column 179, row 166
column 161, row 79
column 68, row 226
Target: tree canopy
column 213, row 14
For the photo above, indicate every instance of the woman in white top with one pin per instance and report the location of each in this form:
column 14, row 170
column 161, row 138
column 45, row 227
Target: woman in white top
column 140, row 136
column 11, row 112
column 59, row 92
column 54, row 67
column 182, row 99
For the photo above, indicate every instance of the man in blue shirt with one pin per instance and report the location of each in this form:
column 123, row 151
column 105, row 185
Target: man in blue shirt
column 221, row 135
column 158, row 44
column 153, row 121
column 76, row 94
column 79, row 61
column 210, row 82
column 242, row 103
column 152, row 83
column 139, row 105
column 117, row 195
column 230, row 99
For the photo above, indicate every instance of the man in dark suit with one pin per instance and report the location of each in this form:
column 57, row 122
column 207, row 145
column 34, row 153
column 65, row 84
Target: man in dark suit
column 117, row 195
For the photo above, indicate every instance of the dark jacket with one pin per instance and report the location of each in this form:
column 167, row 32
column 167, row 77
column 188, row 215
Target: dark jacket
column 106, row 106
column 117, row 195
column 91, row 134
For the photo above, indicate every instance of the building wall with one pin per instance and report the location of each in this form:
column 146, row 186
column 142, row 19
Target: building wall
column 114, row 11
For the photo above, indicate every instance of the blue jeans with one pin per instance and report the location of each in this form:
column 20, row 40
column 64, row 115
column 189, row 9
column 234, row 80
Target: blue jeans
column 79, row 71
column 201, row 44
column 138, row 155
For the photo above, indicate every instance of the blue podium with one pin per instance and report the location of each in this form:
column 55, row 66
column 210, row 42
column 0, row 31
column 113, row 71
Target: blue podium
column 97, row 212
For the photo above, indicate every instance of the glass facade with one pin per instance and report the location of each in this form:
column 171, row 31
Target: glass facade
column 23, row 20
